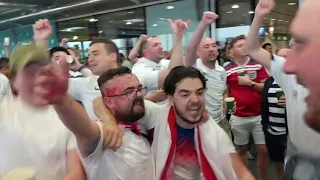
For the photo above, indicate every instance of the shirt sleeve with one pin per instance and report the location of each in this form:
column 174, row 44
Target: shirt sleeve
column 276, row 71
column 5, row 88
column 75, row 86
column 147, row 78
column 72, row 143
column 262, row 74
column 151, row 115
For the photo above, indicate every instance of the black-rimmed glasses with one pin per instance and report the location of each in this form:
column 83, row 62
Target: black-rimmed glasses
column 132, row 93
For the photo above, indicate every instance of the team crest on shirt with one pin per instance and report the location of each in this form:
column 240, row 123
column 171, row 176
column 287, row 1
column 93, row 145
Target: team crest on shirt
column 252, row 74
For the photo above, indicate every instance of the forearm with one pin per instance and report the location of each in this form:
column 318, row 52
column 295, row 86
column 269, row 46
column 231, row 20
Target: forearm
column 75, row 170
column 102, row 111
column 239, row 168
column 177, row 53
column 7, row 51
column 253, row 43
column 191, row 54
column 76, row 119
column 43, row 43
column 134, row 52
column 258, row 87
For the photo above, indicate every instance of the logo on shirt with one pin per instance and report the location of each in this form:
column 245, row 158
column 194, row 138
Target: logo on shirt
column 252, row 74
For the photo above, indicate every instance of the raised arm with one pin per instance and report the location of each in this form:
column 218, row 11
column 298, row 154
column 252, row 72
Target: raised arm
column 191, row 55
column 133, row 56
column 42, row 30
column 254, row 49
column 178, row 28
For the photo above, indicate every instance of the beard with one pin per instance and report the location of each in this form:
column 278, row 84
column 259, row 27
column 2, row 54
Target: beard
column 131, row 116
column 181, row 115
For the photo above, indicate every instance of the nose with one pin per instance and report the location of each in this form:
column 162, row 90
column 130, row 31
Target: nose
column 289, row 67
column 194, row 98
column 90, row 59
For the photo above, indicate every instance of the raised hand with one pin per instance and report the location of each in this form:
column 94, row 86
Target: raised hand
column 179, row 26
column 64, row 42
column 143, row 37
column 264, row 7
column 209, row 17
column 42, row 30
column 51, row 86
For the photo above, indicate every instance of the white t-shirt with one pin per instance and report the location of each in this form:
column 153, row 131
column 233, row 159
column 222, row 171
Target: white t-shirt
column 85, row 90
column 74, row 74
column 132, row 161
column 147, row 72
column 216, row 85
column 306, row 140
column 33, row 138
column 5, row 89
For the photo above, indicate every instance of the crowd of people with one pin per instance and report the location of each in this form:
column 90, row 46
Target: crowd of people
column 163, row 116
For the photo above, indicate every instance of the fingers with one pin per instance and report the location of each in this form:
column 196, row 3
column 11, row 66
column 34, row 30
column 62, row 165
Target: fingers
column 112, row 137
column 64, row 67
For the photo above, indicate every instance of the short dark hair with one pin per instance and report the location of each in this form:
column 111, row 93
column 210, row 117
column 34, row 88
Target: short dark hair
column 179, row 73
column 110, row 74
column 110, row 46
column 58, row 49
column 264, row 46
column 4, row 62
column 235, row 40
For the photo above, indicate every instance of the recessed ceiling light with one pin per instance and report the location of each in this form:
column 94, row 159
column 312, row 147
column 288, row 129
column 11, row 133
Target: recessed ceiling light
column 286, row 21
column 75, row 37
column 265, row 18
column 111, row 21
column 170, row 7
column 291, row 4
column 229, row 12
column 130, row 12
column 100, row 32
column 162, row 19
column 128, row 23
column 155, row 25
column 93, row 20
column 251, row 12
column 272, row 19
column 271, row 29
column 235, row 6
column 280, row 20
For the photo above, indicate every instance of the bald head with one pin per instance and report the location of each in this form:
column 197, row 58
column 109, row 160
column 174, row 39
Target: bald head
column 284, row 52
column 207, row 50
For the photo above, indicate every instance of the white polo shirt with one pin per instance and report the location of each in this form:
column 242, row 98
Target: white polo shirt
column 132, row 161
column 305, row 139
column 147, row 72
column 85, row 90
column 5, row 88
column 33, row 138
column 216, row 85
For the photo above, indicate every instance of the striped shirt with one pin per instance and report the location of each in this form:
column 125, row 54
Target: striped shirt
column 277, row 114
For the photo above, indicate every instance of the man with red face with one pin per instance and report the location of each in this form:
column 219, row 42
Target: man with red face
column 300, row 85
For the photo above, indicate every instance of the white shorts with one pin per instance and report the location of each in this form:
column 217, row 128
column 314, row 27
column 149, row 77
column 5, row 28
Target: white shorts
column 242, row 127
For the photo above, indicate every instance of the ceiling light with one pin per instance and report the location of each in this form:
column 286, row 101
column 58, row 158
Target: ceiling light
column 130, row 12
column 155, row 25
column 235, row 6
column 134, row 20
column 170, row 7
column 265, row 18
column 280, row 20
column 100, row 32
column 291, row 4
column 128, row 23
column 251, row 12
column 271, row 29
column 229, row 12
column 272, row 19
column 93, row 20
column 163, row 19
column 286, row 21
column 75, row 37
column 111, row 21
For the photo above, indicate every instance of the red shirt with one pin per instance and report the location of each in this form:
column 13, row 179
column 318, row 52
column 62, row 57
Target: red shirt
column 247, row 99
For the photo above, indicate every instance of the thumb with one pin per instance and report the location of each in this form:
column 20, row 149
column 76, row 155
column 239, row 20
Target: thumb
column 170, row 22
column 64, row 66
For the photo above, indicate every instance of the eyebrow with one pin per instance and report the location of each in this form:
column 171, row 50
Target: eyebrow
column 186, row 91
column 129, row 88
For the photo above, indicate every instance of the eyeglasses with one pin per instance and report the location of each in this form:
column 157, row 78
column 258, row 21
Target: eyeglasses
column 132, row 93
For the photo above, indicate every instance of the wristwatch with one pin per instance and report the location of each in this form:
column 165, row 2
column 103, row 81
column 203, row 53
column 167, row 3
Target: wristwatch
column 253, row 84
column 81, row 67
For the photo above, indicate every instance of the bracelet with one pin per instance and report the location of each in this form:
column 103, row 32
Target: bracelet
column 81, row 67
